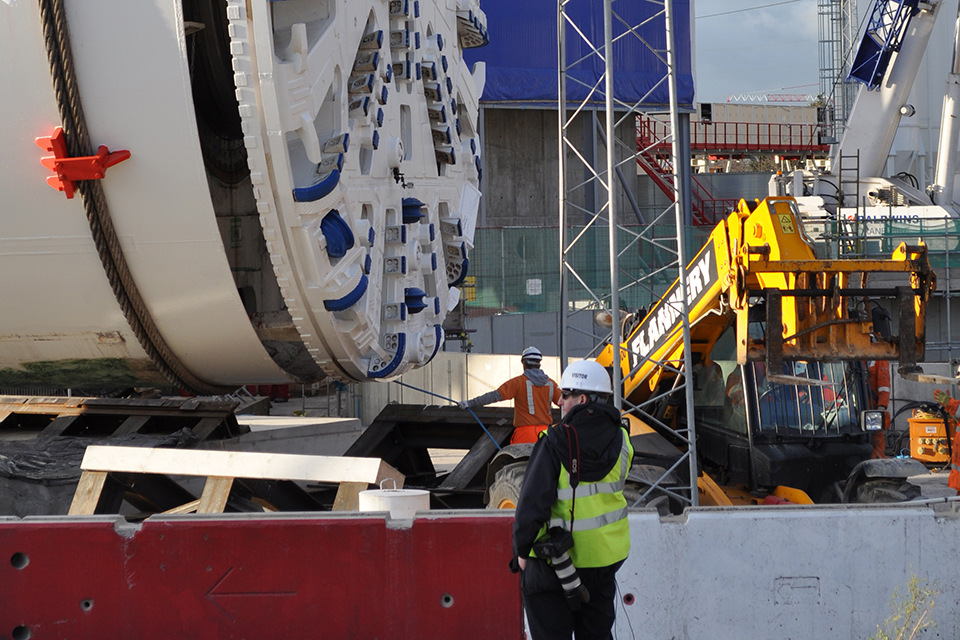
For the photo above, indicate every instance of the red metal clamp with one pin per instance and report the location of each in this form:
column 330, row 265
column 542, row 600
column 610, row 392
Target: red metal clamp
column 70, row 170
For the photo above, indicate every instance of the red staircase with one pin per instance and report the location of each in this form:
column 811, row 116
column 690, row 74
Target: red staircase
column 722, row 138
column 655, row 158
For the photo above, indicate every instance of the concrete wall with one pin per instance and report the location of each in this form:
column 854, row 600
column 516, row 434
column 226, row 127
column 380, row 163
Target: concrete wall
column 520, row 173
column 775, row 573
column 521, row 170
column 513, row 332
column 458, row 376
column 781, row 113
column 733, row 186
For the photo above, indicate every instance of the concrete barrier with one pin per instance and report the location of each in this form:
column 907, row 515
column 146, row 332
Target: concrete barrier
column 762, row 573
column 783, row 573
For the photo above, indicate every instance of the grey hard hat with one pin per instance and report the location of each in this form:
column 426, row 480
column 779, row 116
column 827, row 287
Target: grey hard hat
column 531, row 353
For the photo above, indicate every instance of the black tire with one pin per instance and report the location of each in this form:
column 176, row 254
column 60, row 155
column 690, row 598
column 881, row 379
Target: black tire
column 505, row 490
column 886, row 491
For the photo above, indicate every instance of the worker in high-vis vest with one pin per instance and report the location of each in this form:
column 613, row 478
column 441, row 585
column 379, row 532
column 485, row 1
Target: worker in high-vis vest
column 573, row 488
column 951, row 405
column 532, row 393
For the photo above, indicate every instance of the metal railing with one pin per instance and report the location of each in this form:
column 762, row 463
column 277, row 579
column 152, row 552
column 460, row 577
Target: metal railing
column 742, row 137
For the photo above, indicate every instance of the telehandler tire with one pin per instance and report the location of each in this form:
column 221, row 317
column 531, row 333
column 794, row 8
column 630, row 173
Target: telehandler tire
column 505, row 490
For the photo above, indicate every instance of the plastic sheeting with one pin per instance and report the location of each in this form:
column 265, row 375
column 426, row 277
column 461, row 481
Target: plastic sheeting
column 521, row 58
column 55, row 461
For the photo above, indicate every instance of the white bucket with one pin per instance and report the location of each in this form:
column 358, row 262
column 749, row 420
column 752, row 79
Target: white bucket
column 402, row 504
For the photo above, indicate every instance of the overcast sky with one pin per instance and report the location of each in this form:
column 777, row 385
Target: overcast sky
column 755, row 46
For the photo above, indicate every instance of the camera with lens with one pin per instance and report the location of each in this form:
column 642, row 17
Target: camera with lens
column 555, row 548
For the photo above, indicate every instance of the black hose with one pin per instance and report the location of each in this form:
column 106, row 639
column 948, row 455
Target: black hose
column 929, row 407
column 909, row 177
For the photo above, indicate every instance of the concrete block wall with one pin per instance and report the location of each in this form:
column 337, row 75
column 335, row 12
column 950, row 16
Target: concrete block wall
column 521, row 168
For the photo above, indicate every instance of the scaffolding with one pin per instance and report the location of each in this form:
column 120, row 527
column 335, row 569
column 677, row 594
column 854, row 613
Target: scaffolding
column 837, row 34
column 589, row 195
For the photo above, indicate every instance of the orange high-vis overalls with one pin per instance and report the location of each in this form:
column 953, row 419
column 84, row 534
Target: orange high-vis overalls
column 531, row 406
column 880, row 389
column 953, row 481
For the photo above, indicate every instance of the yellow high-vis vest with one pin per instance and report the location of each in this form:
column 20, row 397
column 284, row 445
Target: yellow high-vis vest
column 601, row 533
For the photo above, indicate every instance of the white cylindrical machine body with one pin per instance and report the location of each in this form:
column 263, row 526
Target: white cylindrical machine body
column 283, row 252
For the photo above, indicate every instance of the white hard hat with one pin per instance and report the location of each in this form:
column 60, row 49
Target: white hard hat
column 531, row 353
column 586, row 375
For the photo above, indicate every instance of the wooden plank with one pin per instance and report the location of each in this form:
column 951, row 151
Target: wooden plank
column 190, row 507
column 151, row 492
column 59, row 425
column 263, row 503
column 476, row 459
column 239, row 464
column 4, row 414
column 133, row 424
column 88, row 493
column 386, row 472
column 205, row 427
column 348, row 496
column 177, row 407
column 215, row 494
column 281, row 495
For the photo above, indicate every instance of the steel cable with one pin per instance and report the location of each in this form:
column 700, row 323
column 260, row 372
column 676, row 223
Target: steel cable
column 60, row 58
column 437, row 395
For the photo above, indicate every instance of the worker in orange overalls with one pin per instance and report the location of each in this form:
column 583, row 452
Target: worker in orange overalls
column 531, row 392
column 880, row 393
column 951, row 405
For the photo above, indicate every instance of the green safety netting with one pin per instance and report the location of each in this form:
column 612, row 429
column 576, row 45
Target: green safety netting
column 878, row 238
column 517, row 269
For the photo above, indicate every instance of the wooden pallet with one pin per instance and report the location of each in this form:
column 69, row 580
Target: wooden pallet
column 77, row 415
column 222, row 468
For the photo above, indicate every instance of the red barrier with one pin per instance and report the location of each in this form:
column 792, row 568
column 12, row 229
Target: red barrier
column 260, row 577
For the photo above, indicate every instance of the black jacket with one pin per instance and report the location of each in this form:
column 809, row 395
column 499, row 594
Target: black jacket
column 596, row 426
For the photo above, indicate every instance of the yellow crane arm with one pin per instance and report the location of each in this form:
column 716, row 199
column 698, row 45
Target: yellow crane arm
column 760, row 252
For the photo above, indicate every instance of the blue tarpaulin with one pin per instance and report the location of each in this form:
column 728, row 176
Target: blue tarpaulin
column 521, row 58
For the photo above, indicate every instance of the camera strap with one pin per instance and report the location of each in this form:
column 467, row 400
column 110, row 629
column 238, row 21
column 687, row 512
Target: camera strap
column 573, row 460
